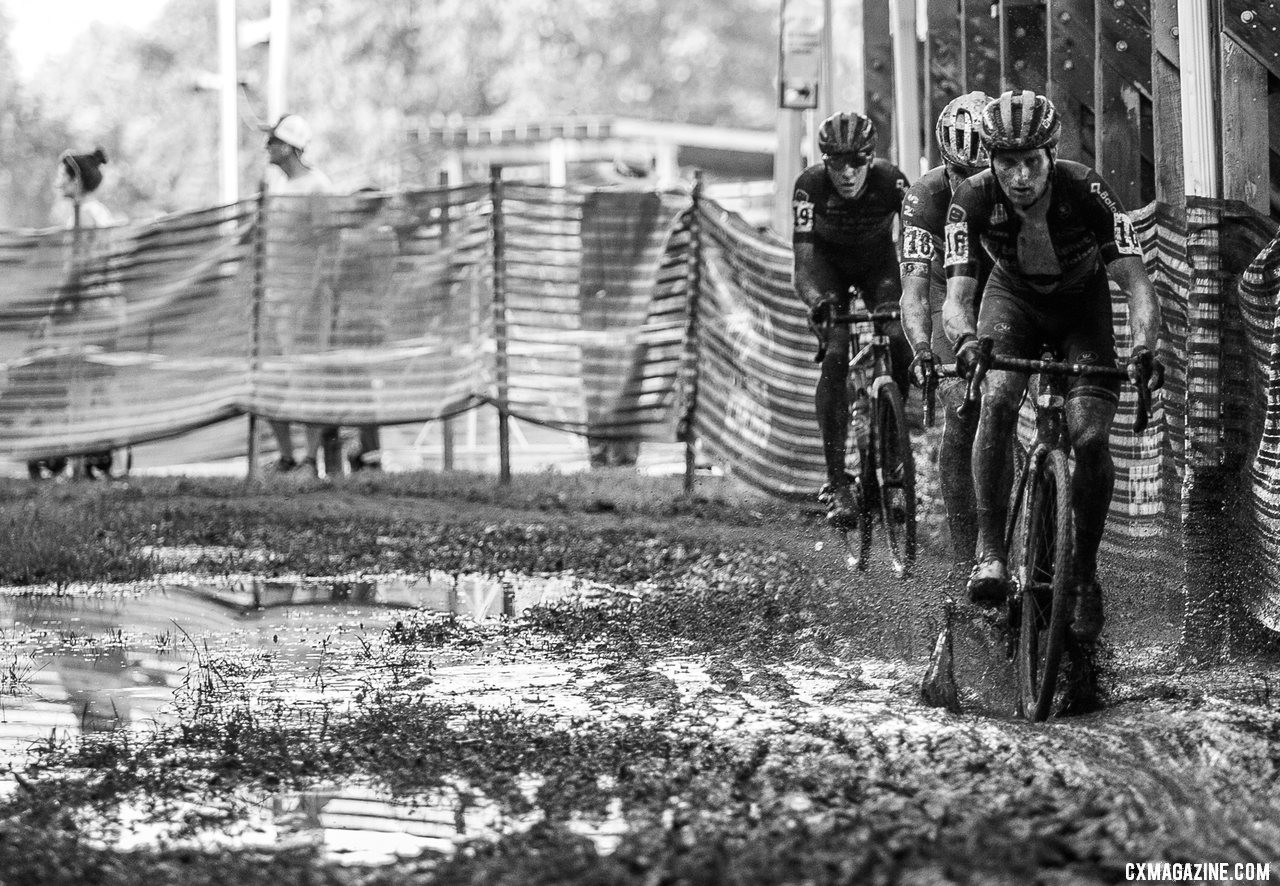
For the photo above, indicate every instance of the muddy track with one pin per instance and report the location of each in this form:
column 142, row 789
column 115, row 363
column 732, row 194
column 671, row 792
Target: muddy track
column 728, row 705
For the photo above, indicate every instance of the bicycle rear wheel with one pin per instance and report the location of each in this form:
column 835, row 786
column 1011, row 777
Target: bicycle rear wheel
column 896, row 478
column 1042, row 561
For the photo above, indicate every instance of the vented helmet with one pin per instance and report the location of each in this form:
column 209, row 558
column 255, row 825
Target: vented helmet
column 848, row 133
column 1020, row 121
column 959, row 131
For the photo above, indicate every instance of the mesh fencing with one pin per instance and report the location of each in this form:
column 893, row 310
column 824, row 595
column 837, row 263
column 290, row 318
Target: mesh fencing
column 613, row 314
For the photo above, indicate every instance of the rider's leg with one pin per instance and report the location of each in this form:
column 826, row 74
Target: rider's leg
column 832, row 401
column 992, row 455
column 1092, row 482
column 955, row 466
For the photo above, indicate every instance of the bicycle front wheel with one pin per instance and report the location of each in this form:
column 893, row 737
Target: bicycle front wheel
column 1042, row 559
column 896, row 477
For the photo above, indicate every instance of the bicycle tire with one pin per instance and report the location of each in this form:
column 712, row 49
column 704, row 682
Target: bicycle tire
column 1043, row 560
column 895, row 468
column 859, row 547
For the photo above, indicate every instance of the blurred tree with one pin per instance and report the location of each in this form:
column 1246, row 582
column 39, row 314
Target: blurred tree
column 30, row 141
column 365, row 72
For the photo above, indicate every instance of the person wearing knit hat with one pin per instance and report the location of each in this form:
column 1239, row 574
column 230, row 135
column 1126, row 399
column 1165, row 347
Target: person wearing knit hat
column 79, row 175
column 286, row 140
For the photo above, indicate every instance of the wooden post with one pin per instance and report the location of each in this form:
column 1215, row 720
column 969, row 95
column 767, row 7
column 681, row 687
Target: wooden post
column 1166, row 100
column 907, row 115
column 1122, row 81
column 255, row 346
column 1196, row 42
column 693, row 284
column 944, row 73
column 501, row 367
column 446, row 423
column 1246, row 170
column 1070, row 76
column 878, row 55
column 981, row 39
column 1205, row 487
column 1023, row 45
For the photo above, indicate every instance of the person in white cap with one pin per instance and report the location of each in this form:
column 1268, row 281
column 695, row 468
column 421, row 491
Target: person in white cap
column 286, row 141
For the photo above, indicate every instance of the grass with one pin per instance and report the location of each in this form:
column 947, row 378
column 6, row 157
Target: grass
column 722, row 574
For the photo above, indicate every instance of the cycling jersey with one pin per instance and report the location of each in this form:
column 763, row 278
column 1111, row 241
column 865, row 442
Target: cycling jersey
column 855, row 235
column 1057, row 243
column 924, row 214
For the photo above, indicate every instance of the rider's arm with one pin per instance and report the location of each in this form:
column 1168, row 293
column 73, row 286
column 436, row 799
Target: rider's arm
column 958, row 315
column 1144, row 307
column 961, row 261
column 917, row 256
column 807, row 274
column 1122, row 251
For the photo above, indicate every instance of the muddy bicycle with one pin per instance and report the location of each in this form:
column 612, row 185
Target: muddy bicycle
column 884, row 474
column 1040, row 533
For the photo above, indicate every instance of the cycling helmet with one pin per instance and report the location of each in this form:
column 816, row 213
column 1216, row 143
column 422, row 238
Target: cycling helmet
column 959, row 131
column 1019, row 121
column 847, row 133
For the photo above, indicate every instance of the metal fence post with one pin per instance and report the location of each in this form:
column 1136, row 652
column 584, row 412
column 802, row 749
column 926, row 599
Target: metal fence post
column 446, row 423
column 255, row 348
column 693, row 284
column 500, row 326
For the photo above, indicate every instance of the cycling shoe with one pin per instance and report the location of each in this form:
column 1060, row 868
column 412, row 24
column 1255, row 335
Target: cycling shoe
column 988, row 583
column 842, row 510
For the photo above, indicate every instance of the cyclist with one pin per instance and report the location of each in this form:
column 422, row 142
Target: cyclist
column 924, row 288
column 843, row 210
column 1054, row 230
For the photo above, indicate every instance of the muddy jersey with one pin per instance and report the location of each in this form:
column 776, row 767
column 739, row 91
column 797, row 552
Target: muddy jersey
column 924, row 218
column 855, row 234
column 1055, row 245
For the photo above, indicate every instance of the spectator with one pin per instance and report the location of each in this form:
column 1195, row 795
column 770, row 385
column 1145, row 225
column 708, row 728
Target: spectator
column 286, row 141
column 78, row 177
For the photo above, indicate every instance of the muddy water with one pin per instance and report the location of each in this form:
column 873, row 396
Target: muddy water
column 1183, row 760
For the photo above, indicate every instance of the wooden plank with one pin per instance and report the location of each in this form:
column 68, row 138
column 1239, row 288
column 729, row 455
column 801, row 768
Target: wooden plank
column 1164, row 29
column 1070, row 76
column 1246, row 173
column 878, row 52
column 1023, row 45
column 1255, row 25
column 981, row 47
column 1119, row 134
column 1124, row 39
column 945, row 75
column 1166, row 100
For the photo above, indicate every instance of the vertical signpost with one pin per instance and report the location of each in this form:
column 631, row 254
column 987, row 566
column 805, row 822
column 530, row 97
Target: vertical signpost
column 800, row 69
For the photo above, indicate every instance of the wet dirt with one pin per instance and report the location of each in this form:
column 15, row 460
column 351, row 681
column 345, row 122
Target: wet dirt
column 740, row 713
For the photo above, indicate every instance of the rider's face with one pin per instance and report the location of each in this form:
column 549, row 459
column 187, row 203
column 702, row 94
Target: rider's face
column 848, row 172
column 1023, row 175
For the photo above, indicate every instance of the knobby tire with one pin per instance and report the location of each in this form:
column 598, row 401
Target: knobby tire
column 1042, row 561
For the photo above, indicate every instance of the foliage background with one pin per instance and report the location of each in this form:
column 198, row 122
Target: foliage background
column 365, row 72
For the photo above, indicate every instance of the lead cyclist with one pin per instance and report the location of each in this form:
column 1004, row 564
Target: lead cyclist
column 1055, row 231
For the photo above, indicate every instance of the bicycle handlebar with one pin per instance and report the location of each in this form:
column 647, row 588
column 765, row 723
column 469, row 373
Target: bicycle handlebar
column 986, row 360
column 879, row 315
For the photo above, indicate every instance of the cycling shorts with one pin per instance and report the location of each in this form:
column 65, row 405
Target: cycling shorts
column 881, row 286
column 1074, row 324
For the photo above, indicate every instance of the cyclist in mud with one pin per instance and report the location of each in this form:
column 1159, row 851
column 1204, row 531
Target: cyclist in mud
column 843, row 211
column 1054, row 230
column 924, row 288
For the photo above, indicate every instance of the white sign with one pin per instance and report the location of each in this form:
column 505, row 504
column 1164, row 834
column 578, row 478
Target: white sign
column 801, row 54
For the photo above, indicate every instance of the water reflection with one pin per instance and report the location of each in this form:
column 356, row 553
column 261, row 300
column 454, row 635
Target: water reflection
column 99, row 658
